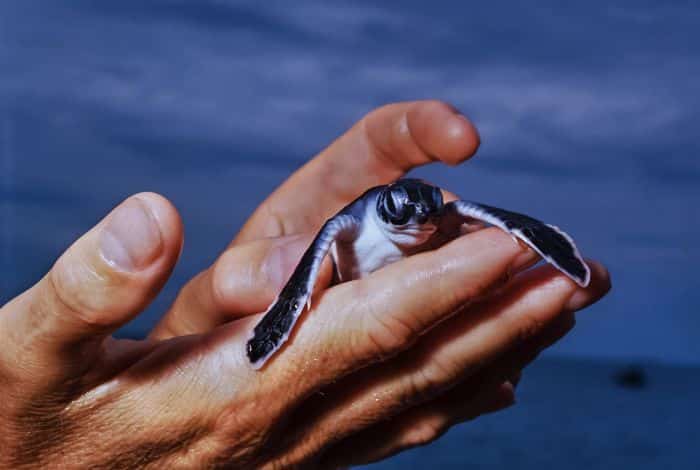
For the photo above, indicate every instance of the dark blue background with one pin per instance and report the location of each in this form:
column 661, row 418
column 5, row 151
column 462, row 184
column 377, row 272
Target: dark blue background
column 588, row 113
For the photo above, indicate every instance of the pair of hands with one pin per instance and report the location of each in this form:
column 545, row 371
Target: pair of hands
column 377, row 366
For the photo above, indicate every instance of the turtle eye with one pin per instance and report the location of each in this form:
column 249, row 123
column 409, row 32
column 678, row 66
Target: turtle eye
column 393, row 209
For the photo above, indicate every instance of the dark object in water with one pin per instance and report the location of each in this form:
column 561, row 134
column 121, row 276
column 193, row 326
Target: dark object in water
column 631, row 377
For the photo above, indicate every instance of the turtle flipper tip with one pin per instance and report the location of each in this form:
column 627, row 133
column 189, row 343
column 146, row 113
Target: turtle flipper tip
column 584, row 281
column 258, row 352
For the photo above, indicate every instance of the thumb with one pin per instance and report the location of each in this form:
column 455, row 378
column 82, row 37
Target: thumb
column 243, row 281
column 103, row 280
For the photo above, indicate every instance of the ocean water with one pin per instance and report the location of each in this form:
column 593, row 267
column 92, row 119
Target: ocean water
column 578, row 415
column 588, row 115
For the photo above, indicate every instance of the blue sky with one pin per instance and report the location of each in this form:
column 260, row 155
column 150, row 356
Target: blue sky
column 588, row 114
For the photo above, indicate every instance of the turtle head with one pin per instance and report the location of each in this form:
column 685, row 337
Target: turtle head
column 410, row 206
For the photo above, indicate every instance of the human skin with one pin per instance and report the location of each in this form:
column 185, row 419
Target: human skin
column 377, row 365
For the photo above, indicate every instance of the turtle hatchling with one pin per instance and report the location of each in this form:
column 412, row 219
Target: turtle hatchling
column 388, row 223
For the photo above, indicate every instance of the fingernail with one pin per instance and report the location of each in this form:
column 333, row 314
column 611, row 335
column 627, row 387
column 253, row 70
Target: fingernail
column 131, row 239
column 579, row 300
column 284, row 257
column 456, row 125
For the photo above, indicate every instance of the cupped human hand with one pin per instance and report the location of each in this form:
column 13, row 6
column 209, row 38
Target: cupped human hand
column 378, row 365
column 73, row 396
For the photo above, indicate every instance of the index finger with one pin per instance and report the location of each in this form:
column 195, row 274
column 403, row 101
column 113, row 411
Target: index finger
column 380, row 148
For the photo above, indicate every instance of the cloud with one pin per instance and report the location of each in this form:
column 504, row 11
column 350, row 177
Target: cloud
column 243, row 82
column 215, row 84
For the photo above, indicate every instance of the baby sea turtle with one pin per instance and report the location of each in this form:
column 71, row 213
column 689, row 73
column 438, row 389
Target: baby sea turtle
column 388, row 223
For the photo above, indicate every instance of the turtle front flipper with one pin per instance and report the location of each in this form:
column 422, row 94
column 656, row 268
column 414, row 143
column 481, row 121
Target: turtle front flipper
column 550, row 242
column 277, row 322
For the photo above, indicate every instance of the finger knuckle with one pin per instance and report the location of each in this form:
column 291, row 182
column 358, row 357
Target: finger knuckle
column 219, row 285
column 306, row 453
column 76, row 288
column 387, row 334
column 429, row 380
